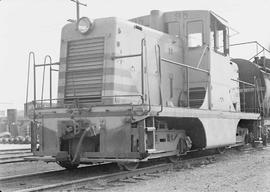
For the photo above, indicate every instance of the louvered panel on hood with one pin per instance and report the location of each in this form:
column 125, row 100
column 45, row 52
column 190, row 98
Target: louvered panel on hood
column 84, row 74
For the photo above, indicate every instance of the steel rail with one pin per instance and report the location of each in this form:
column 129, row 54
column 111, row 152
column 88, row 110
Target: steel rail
column 50, row 173
column 11, row 178
column 15, row 160
column 8, row 150
column 116, row 176
column 113, row 176
column 14, row 152
column 108, row 177
column 14, row 156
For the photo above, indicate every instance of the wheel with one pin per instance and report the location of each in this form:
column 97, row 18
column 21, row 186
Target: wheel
column 128, row 166
column 181, row 148
column 174, row 159
column 67, row 165
column 264, row 140
column 220, row 150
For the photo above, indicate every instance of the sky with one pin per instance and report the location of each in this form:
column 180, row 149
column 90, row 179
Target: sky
column 35, row 25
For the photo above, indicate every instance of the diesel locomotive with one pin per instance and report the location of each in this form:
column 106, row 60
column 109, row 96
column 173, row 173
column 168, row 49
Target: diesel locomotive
column 156, row 86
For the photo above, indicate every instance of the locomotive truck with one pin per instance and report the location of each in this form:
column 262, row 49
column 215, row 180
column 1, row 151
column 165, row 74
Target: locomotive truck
column 156, row 86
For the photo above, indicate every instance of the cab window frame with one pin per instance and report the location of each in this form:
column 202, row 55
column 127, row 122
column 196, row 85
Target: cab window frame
column 197, row 30
column 219, row 37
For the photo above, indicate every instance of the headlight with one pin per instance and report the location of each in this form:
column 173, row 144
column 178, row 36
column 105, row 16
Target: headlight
column 84, row 25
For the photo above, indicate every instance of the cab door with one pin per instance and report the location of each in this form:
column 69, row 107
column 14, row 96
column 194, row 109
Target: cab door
column 197, row 55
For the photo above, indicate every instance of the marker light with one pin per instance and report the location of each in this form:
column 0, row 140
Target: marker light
column 84, row 25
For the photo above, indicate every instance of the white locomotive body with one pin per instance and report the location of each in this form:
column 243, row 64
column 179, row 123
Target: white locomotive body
column 155, row 86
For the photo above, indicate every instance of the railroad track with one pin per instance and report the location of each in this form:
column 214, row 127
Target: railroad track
column 15, row 149
column 14, row 155
column 98, row 177
column 109, row 174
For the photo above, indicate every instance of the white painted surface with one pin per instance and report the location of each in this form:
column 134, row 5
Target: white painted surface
column 219, row 131
column 14, row 146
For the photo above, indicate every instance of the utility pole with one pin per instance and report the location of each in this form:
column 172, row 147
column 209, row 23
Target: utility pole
column 78, row 3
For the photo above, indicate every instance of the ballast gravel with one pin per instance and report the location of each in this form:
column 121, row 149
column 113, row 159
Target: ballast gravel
column 234, row 171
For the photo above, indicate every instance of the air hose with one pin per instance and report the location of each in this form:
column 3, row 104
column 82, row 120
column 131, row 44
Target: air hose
column 80, row 144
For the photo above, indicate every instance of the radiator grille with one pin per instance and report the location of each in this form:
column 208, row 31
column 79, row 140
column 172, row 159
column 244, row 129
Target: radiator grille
column 84, row 71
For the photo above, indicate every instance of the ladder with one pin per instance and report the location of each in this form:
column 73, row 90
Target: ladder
column 259, row 97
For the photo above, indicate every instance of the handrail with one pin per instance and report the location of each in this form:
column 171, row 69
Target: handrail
column 142, row 65
column 252, row 42
column 244, row 90
column 160, row 85
column 43, row 78
column 49, row 64
column 126, row 56
column 144, row 53
column 30, row 55
column 257, row 54
column 200, row 60
column 193, row 68
column 38, row 102
column 44, row 65
column 28, row 73
column 85, row 97
column 33, row 122
column 243, row 82
column 184, row 65
column 142, row 68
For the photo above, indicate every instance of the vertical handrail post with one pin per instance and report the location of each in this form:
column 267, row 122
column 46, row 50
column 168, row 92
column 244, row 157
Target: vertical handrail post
column 43, row 79
column 31, row 54
column 50, row 85
column 142, row 69
column 201, row 57
column 244, row 97
column 255, row 103
column 209, row 90
column 187, row 87
column 160, row 86
column 35, row 97
column 33, row 122
column 42, row 87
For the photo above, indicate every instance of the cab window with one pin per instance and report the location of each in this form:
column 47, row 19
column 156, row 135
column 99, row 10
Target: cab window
column 219, row 37
column 195, row 34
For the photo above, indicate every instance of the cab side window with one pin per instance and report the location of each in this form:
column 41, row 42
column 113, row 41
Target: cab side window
column 219, row 39
column 195, row 34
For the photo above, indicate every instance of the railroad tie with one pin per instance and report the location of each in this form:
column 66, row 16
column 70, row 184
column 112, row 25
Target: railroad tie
column 115, row 184
column 140, row 177
column 152, row 175
column 129, row 180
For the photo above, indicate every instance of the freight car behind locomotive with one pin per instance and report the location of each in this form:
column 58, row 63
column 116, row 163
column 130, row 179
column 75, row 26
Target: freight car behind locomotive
column 256, row 73
column 156, row 86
